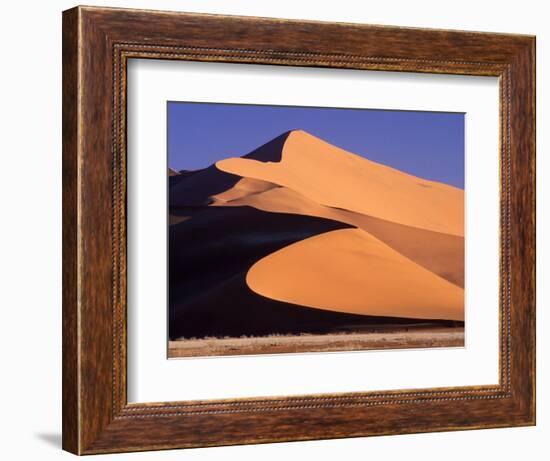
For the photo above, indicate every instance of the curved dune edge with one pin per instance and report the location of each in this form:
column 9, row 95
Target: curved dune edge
column 243, row 189
column 351, row 271
column 334, row 177
column 442, row 254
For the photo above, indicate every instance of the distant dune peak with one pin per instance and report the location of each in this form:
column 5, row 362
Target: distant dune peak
column 303, row 134
column 271, row 151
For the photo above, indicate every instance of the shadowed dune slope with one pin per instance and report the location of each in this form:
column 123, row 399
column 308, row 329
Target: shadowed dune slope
column 200, row 186
column 332, row 176
column 197, row 189
column 208, row 292
column 351, row 271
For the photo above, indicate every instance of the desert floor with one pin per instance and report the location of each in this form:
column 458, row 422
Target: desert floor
column 395, row 338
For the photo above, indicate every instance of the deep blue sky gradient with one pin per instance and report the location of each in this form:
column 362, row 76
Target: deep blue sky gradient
column 426, row 144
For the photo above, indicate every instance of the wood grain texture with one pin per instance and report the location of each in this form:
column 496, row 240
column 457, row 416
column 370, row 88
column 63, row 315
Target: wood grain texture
column 70, row 382
column 97, row 42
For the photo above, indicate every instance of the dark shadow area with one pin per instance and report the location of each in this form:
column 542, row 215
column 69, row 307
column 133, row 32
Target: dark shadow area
column 271, row 151
column 209, row 257
column 175, row 177
column 195, row 188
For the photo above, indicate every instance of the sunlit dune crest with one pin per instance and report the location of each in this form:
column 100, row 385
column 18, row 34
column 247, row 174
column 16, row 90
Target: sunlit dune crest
column 245, row 188
column 350, row 271
column 334, row 177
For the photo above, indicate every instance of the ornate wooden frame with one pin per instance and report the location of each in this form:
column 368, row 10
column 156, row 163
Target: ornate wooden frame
column 97, row 43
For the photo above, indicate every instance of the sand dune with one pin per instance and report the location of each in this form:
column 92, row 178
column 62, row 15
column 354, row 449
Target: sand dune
column 208, row 293
column 332, row 176
column 351, row 271
column 440, row 253
column 198, row 188
column 243, row 191
column 301, row 236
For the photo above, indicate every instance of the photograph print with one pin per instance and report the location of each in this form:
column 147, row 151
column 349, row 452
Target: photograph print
column 313, row 229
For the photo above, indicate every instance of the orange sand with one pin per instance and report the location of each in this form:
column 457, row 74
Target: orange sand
column 332, row 176
column 440, row 253
column 404, row 259
column 351, row 271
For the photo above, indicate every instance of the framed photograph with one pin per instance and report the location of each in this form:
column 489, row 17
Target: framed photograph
column 281, row 249
column 282, row 230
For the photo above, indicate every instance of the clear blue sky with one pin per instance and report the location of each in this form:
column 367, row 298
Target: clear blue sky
column 426, row 144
